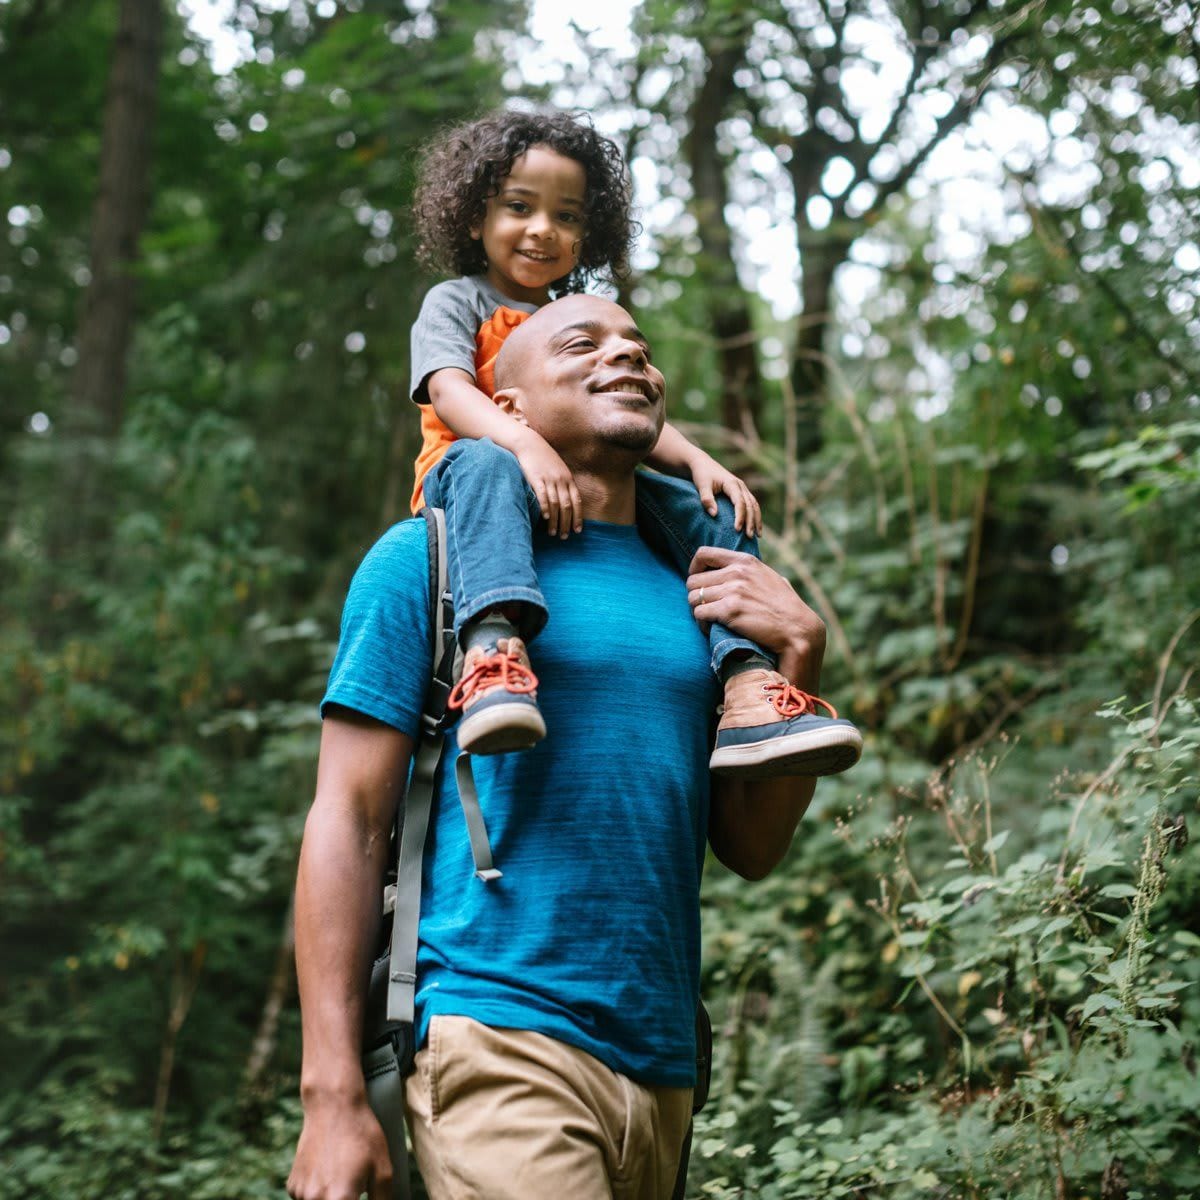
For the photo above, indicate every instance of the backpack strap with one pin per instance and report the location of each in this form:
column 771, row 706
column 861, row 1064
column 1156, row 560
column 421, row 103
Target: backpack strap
column 413, row 815
column 388, row 1061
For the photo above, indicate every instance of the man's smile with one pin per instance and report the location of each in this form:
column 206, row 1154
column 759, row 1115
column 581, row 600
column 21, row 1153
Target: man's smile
column 636, row 387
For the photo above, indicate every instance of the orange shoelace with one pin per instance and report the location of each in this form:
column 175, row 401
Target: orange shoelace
column 502, row 669
column 790, row 701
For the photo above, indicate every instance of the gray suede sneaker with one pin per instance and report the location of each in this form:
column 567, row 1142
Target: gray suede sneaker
column 497, row 696
column 769, row 727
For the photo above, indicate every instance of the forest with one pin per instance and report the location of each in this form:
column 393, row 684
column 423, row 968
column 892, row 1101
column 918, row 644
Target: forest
column 925, row 272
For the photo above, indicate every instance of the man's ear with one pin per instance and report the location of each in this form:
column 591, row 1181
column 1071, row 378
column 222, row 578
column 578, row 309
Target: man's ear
column 509, row 400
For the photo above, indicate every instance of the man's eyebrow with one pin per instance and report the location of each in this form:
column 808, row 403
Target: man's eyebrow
column 630, row 331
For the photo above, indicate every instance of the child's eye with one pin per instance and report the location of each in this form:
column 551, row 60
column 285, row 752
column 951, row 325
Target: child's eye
column 518, row 206
column 569, row 218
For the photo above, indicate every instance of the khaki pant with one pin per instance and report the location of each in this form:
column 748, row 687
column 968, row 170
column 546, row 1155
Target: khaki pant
column 504, row 1114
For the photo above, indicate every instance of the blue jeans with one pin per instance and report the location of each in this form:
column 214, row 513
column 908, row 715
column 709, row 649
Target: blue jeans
column 491, row 513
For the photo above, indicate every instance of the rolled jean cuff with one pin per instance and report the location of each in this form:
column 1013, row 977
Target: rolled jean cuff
column 533, row 610
column 725, row 642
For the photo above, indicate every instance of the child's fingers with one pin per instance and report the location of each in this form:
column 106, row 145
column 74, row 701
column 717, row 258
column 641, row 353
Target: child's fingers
column 550, row 509
column 576, row 505
column 563, row 509
column 543, row 497
column 756, row 513
column 707, row 497
column 740, row 512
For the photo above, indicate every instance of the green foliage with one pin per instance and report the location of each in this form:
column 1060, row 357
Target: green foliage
column 1048, row 971
column 975, row 975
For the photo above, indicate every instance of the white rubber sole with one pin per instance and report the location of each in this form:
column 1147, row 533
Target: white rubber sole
column 501, row 729
column 811, row 752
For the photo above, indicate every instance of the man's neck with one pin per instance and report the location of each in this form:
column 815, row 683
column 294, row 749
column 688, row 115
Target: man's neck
column 607, row 498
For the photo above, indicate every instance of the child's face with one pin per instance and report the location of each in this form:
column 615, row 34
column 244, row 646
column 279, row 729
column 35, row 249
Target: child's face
column 532, row 230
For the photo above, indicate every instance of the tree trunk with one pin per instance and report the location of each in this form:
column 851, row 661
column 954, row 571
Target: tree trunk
column 122, row 197
column 728, row 306
column 810, row 361
column 821, row 253
column 281, row 985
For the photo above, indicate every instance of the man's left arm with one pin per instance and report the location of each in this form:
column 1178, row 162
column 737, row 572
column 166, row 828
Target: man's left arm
column 751, row 823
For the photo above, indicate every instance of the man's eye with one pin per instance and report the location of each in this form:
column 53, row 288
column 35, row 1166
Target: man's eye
column 581, row 344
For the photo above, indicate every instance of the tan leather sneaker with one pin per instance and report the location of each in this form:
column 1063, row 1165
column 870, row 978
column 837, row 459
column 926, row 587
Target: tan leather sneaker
column 770, row 727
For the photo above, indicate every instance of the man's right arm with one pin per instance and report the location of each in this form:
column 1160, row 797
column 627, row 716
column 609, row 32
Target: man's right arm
column 361, row 773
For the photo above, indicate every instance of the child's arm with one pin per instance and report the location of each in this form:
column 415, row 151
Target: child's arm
column 469, row 413
column 675, row 455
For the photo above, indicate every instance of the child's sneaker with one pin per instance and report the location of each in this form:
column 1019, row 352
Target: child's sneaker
column 769, row 727
column 498, row 698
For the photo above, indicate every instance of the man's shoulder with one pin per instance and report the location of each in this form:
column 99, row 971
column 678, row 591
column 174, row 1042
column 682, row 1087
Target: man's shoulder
column 398, row 561
column 382, row 665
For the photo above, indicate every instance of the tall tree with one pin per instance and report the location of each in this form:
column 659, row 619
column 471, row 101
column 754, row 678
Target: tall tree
column 814, row 81
column 724, row 47
column 118, row 217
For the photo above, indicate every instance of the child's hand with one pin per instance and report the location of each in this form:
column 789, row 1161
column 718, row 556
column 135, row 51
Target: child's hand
column 553, row 484
column 712, row 479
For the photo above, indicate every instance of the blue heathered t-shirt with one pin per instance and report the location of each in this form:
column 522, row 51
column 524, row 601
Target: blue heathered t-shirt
column 592, row 935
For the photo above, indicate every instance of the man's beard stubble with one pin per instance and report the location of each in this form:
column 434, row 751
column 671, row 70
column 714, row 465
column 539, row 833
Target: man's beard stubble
column 638, row 438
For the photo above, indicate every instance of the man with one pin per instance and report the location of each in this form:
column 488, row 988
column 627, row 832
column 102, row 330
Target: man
column 554, row 1005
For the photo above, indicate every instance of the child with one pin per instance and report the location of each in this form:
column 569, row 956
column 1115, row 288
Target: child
column 524, row 206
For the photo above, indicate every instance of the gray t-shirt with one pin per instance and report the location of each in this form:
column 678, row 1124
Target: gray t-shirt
column 443, row 335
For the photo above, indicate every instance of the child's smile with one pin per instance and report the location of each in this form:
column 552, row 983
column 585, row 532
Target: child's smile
column 533, row 228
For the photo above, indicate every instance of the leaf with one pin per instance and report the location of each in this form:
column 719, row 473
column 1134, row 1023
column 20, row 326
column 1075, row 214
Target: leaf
column 1098, row 1001
column 1119, row 891
column 1053, row 926
column 1023, row 926
column 994, row 843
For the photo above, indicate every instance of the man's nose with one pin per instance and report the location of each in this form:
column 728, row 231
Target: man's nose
column 623, row 349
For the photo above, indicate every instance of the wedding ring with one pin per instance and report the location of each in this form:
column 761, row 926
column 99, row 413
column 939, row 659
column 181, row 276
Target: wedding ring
column 701, row 595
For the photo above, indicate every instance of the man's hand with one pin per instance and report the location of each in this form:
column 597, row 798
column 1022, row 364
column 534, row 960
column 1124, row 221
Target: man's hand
column 758, row 603
column 552, row 483
column 712, row 479
column 341, row 1155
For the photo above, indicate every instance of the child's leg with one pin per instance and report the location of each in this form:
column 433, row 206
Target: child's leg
column 768, row 727
column 671, row 517
column 498, row 604
column 489, row 534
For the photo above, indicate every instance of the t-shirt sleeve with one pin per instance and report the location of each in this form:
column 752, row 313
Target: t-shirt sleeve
column 443, row 334
column 384, row 661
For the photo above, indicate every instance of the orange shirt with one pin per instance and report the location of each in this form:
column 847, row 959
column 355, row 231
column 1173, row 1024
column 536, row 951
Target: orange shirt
column 435, row 434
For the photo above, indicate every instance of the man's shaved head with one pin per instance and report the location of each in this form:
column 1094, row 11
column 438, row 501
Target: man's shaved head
column 513, row 357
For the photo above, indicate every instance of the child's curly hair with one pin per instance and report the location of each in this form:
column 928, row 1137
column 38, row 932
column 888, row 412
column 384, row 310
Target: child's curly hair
column 466, row 164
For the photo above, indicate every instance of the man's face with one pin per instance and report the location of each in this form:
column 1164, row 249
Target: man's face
column 585, row 381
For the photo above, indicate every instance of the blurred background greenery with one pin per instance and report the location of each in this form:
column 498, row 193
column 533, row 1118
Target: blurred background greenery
column 926, row 270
